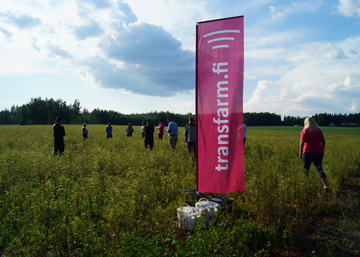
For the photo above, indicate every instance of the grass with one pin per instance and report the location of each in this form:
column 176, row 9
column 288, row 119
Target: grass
column 112, row 197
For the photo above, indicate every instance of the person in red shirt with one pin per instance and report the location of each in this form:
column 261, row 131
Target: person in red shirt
column 312, row 144
column 161, row 128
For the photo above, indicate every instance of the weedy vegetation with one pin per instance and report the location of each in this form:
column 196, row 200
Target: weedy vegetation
column 113, row 197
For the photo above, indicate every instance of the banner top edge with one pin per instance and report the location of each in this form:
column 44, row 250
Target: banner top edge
column 220, row 19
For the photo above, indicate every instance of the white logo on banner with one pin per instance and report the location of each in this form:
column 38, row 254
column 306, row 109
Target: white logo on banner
column 220, row 38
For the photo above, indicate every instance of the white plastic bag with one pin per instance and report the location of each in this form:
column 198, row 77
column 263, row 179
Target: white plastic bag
column 209, row 208
column 187, row 216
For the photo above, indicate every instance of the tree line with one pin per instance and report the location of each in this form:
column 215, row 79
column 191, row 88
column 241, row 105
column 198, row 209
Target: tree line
column 44, row 111
column 322, row 119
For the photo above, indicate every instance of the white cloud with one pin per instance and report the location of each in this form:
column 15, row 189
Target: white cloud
column 327, row 51
column 57, row 51
column 20, row 20
column 349, row 8
column 152, row 62
column 318, row 82
column 91, row 30
column 98, row 3
column 145, row 49
column 6, row 33
column 177, row 17
column 140, row 57
column 281, row 12
column 352, row 80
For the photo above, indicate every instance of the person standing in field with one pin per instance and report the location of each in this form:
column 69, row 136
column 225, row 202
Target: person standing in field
column 129, row 130
column 142, row 129
column 161, row 128
column 108, row 131
column 172, row 130
column 244, row 131
column 84, row 131
column 149, row 135
column 190, row 135
column 312, row 144
column 59, row 133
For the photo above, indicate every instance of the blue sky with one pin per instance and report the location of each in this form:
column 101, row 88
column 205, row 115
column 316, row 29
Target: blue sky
column 136, row 56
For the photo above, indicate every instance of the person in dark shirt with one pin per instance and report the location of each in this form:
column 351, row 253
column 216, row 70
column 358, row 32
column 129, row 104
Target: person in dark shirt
column 59, row 133
column 85, row 131
column 149, row 135
column 108, row 130
column 190, row 135
column 129, row 130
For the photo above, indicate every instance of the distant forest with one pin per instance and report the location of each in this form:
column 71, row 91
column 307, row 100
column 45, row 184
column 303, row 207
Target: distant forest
column 44, row 111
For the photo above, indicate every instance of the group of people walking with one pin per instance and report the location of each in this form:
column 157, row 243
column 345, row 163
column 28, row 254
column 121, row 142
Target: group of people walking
column 311, row 148
column 147, row 131
column 172, row 130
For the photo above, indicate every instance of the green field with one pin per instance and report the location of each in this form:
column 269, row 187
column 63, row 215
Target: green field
column 344, row 130
column 113, row 197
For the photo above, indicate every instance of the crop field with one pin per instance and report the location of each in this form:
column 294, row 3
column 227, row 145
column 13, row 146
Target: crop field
column 113, row 197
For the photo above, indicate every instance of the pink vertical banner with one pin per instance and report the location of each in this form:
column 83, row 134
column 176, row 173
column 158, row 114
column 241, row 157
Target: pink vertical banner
column 219, row 105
